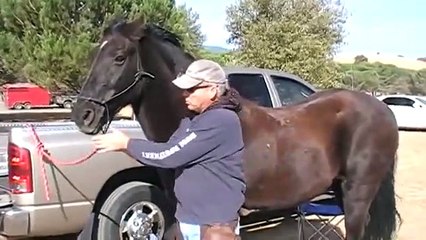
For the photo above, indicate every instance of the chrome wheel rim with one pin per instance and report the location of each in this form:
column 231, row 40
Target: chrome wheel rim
column 142, row 221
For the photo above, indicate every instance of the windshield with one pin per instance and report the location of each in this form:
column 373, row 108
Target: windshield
column 423, row 100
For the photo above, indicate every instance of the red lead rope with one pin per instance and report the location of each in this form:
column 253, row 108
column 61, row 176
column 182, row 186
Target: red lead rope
column 45, row 156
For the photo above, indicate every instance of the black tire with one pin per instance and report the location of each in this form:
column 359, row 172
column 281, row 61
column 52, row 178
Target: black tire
column 67, row 104
column 27, row 105
column 18, row 106
column 106, row 226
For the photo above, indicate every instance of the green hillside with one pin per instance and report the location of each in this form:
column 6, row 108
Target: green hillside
column 216, row 49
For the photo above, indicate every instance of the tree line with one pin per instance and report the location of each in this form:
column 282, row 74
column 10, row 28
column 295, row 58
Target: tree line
column 48, row 42
column 371, row 77
column 382, row 78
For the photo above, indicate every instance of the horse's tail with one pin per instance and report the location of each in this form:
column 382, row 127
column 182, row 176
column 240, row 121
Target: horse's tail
column 384, row 216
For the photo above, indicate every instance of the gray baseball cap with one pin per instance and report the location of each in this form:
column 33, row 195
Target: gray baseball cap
column 199, row 71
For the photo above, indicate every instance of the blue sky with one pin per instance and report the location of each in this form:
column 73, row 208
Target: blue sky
column 386, row 26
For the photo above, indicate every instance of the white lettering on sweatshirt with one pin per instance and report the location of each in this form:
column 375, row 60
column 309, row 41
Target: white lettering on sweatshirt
column 170, row 151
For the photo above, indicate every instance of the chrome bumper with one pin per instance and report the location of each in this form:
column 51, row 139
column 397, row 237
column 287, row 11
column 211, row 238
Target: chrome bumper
column 14, row 221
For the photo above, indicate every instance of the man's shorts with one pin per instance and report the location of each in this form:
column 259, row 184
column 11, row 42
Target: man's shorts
column 193, row 232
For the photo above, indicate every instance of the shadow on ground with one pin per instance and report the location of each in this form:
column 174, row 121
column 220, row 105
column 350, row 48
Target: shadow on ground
column 285, row 228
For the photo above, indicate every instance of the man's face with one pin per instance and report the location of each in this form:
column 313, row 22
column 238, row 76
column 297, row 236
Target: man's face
column 200, row 97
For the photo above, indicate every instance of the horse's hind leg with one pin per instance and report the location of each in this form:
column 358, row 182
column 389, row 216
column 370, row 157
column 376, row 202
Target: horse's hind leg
column 358, row 196
column 368, row 191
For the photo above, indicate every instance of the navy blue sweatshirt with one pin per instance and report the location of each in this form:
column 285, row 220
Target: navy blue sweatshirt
column 207, row 153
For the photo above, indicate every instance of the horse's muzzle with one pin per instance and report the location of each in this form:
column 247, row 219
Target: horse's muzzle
column 88, row 116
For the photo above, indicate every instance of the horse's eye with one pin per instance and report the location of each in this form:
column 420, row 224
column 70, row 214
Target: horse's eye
column 119, row 59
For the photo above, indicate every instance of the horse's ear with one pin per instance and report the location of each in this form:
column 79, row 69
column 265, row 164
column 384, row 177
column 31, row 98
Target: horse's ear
column 135, row 30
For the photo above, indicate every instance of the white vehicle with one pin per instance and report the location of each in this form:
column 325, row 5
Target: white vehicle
column 409, row 110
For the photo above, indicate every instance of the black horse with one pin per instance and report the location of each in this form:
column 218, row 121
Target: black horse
column 292, row 153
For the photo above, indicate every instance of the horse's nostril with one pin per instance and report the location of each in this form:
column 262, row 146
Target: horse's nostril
column 88, row 116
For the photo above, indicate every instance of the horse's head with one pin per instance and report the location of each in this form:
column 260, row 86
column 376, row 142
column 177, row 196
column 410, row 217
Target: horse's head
column 115, row 79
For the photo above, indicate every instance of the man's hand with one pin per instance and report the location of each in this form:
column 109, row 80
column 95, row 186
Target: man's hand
column 114, row 141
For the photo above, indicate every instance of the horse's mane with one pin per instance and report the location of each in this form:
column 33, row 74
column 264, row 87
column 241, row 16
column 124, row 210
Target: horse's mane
column 151, row 29
column 162, row 33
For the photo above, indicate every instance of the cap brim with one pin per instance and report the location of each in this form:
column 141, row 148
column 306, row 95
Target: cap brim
column 186, row 82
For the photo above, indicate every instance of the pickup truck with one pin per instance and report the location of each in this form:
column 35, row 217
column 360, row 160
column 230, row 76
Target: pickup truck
column 75, row 190
column 64, row 100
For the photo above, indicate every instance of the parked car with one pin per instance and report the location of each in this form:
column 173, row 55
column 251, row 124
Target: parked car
column 409, row 110
column 75, row 190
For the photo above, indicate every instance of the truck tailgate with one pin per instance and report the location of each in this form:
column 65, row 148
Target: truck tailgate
column 5, row 127
column 4, row 184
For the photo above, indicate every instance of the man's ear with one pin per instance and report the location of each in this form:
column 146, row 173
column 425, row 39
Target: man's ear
column 135, row 30
column 214, row 93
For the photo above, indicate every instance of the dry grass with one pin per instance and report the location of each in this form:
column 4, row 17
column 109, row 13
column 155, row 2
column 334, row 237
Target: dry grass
column 400, row 62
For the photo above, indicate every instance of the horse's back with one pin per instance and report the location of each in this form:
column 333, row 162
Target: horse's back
column 334, row 103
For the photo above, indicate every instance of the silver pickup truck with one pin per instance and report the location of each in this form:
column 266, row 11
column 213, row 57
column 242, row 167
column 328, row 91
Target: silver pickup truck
column 51, row 199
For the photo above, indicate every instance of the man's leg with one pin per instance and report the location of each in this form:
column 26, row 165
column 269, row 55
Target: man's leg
column 237, row 229
column 193, row 232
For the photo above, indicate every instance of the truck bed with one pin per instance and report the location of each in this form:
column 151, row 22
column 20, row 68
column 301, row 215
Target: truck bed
column 5, row 128
column 72, row 188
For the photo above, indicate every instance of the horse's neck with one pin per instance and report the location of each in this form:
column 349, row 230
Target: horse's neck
column 161, row 107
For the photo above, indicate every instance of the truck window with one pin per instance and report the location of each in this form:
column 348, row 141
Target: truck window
column 289, row 90
column 251, row 87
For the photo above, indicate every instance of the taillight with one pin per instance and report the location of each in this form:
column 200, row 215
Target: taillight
column 20, row 169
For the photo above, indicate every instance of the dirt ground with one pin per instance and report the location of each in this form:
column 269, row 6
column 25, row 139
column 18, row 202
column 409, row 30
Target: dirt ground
column 411, row 185
column 410, row 188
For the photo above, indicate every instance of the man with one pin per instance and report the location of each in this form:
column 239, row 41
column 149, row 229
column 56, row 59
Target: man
column 206, row 151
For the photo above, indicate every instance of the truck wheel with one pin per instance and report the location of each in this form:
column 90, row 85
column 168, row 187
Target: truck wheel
column 27, row 105
column 18, row 106
column 135, row 210
column 67, row 104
